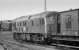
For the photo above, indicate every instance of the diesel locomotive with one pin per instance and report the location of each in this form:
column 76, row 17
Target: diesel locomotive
column 37, row 27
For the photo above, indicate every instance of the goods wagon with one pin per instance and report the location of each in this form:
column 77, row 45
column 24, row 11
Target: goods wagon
column 5, row 26
column 69, row 28
column 69, row 22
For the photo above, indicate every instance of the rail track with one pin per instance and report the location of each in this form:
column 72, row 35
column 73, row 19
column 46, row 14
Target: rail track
column 22, row 44
column 31, row 46
column 50, row 45
column 54, row 44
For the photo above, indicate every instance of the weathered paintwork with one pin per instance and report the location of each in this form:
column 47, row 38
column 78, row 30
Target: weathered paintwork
column 71, row 28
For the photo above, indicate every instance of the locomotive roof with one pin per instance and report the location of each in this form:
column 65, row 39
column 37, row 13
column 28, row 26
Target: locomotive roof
column 43, row 14
column 21, row 18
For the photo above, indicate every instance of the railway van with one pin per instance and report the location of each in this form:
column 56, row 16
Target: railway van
column 69, row 28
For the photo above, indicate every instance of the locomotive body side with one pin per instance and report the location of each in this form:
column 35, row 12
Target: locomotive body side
column 37, row 25
column 21, row 26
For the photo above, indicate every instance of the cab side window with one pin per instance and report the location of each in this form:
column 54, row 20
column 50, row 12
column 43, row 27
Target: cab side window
column 24, row 23
column 32, row 22
column 68, row 22
column 42, row 21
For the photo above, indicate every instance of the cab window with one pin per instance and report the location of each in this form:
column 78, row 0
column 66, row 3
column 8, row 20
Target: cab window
column 32, row 22
column 24, row 23
column 42, row 21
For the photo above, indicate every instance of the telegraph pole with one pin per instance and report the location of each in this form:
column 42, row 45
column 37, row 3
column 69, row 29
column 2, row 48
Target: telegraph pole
column 45, row 8
column 0, row 23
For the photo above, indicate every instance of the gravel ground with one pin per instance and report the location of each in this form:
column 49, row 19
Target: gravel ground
column 9, row 36
column 6, row 35
column 1, row 47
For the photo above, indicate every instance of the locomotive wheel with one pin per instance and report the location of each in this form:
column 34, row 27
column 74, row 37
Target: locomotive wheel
column 15, row 36
column 22, row 37
column 27, row 37
column 37, row 38
column 48, row 41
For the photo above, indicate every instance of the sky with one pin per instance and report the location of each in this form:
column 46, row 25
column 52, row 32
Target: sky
column 12, row 9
